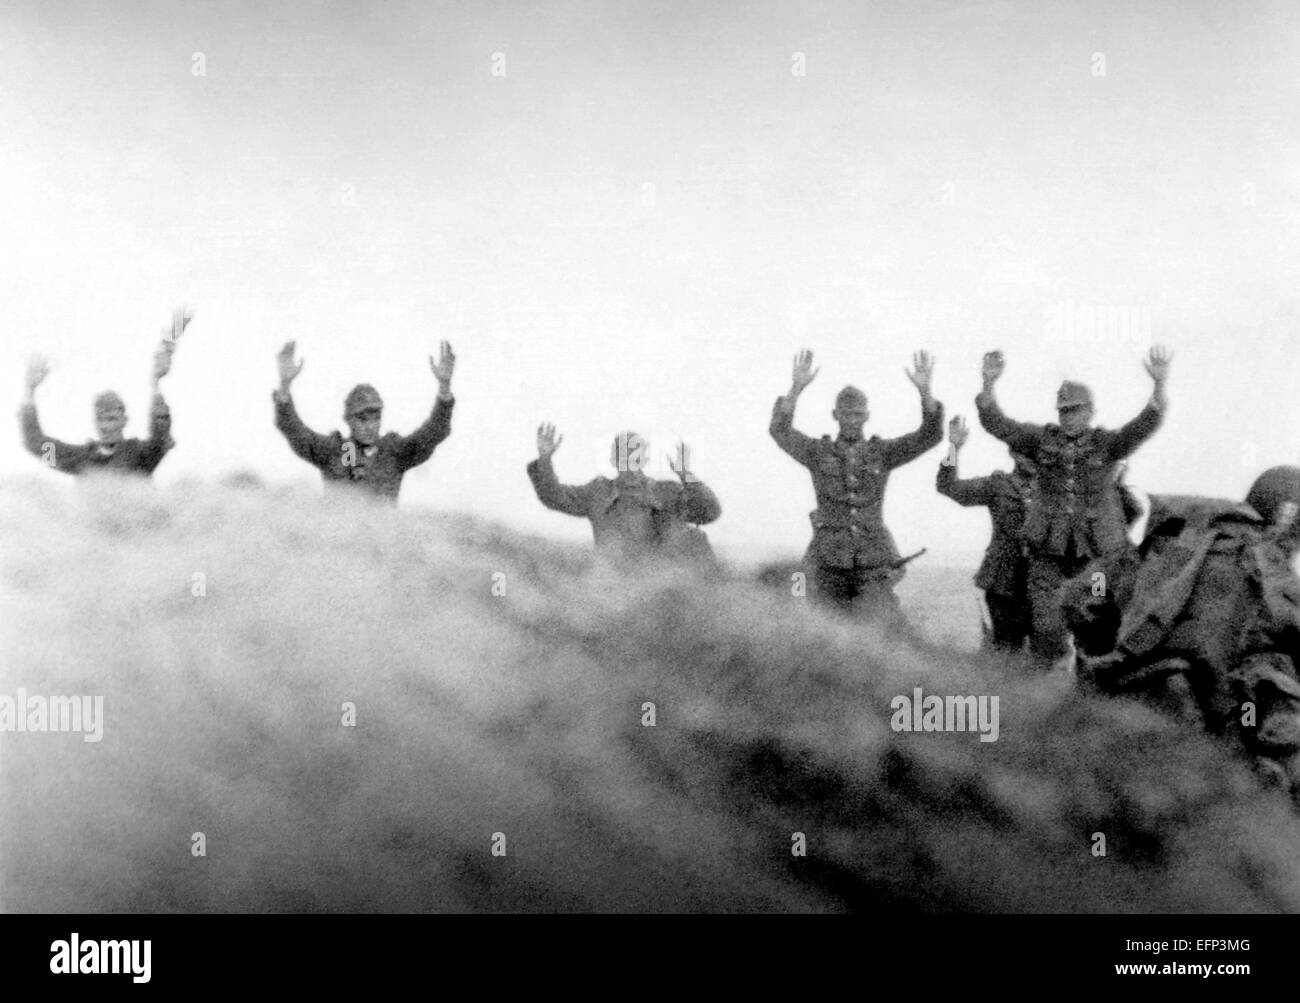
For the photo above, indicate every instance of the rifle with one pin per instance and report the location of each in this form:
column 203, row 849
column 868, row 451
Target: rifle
column 903, row 562
column 892, row 572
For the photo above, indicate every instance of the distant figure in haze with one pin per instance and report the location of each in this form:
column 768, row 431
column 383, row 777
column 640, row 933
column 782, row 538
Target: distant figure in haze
column 854, row 560
column 112, row 451
column 1003, row 573
column 365, row 460
column 1078, row 516
column 631, row 515
column 1208, row 629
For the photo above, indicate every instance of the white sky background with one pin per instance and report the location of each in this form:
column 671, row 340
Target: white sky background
column 353, row 176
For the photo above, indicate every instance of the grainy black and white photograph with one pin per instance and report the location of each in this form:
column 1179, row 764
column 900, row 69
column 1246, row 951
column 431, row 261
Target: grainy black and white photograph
column 774, row 457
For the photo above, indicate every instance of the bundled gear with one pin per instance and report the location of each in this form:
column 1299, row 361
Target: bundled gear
column 1209, row 626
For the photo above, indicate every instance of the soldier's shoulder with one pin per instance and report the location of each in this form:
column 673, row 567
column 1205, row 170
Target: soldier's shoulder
column 667, row 490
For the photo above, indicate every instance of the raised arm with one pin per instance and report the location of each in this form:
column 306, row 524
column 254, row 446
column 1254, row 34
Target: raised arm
column 782, row 427
column 1021, row 437
column 550, row 492
column 311, row 446
column 973, row 491
column 696, row 502
column 1127, row 438
column 57, row 454
column 908, row 447
column 160, row 417
column 420, row 444
column 160, row 439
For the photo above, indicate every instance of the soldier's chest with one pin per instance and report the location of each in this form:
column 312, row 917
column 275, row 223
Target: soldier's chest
column 1082, row 458
column 856, row 466
column 122, row 455
column 360, row 463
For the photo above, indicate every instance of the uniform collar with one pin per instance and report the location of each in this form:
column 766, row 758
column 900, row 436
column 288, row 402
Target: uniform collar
column 635, row 484
column 841, row 443
column 1081, row 437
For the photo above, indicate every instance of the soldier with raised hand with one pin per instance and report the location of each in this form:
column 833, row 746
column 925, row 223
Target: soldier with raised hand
column 111, row 451
column 1078, row 516
column 632, row 515
column 853, row 557
column 1003, row 573
column 366, row 460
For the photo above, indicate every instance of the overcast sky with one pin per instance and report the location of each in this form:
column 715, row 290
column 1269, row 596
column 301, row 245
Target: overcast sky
column 631, row 215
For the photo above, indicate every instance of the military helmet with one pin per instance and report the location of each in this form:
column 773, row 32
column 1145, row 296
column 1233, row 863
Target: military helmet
column 362, row 397
column 1073, row 394
column 849, row 397
column 1273, row 489
column 108, row 401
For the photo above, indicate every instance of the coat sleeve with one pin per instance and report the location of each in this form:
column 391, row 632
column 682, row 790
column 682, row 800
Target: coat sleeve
column 966, row 492
column 1129, row 502
column 420, row 444
column 160, row 441
column 1125, row 440
column 554, row 495
column 1020, row 436
column 697, row 503
column 311, row 446
column 66, row 457
column 907, row 448
column 786, row 435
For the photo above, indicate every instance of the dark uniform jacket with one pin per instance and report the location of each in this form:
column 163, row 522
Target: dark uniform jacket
column 632, row 514
column 1075, row 505
column 849, row 480
column 133, row 456
column 1002, row 571
column 380, row 468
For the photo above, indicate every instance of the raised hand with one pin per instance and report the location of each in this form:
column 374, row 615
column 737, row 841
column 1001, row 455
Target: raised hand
column 958, row 433
column 803, row 371
column 445, row 366
column 181, row 318
column 37, row 369
column 681, row 463
column 922, row 371
column 992, row 367
column 162, row 358
column 1157, row 363
column 547, row 441
column 288, row 371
